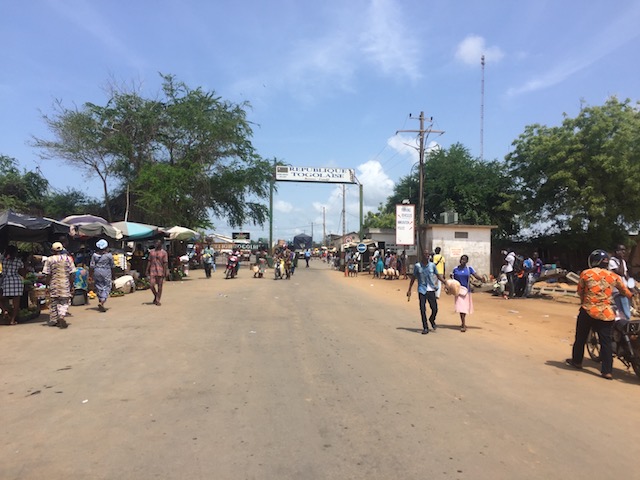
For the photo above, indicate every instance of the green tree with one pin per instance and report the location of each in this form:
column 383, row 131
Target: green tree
column 479, row 191
column 81, row 138
column 380, row 219
column 581, row 177
column 70, row 202
column 176, row 159
column 24, row 192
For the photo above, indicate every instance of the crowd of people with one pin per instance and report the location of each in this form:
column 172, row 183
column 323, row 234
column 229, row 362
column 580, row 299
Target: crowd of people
column 604, row 289
column 68, row 278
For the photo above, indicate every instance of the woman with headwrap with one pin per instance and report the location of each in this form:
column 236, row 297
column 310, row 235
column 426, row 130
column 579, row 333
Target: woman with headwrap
column 101, row 270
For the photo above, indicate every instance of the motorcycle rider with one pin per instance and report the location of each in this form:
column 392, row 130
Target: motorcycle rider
column 618, row 264
column 232, row 264
column 595, row 289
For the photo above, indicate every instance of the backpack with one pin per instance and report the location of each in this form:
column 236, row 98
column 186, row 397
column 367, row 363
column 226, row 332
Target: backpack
column 518, row 263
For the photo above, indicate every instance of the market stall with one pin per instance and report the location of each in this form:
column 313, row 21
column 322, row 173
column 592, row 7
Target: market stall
column 18, row 227
column 91, row 226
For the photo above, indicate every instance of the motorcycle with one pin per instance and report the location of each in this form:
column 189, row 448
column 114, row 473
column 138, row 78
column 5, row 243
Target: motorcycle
column 625, row 342
column 232, row 264
column 279, row 268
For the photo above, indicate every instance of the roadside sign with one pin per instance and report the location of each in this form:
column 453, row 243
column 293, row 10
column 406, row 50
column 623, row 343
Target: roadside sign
column 362, row 248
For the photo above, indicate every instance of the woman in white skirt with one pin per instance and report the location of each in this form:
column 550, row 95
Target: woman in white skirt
column 464, row 301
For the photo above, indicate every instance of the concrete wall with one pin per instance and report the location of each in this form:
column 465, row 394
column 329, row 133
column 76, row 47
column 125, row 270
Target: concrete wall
column 477, row 245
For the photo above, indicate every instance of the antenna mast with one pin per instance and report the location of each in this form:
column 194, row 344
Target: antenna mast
column 482, row 111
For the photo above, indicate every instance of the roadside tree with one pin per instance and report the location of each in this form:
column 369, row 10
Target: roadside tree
column 581, row 178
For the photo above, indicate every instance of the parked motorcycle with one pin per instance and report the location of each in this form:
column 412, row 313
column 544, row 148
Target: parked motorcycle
column 625, row 344
column 232, row 267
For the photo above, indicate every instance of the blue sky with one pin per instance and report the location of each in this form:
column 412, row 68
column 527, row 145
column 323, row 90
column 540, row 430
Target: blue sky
column 329, row 82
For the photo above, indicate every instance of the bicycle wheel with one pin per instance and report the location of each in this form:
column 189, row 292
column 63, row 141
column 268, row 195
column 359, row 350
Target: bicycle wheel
column 593, row 346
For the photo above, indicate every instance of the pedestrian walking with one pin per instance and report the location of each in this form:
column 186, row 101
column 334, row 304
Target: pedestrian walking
column 12, row 285
column 464, row 301
column 207, row 260
column 595, row 289
column 157, row 270
column 102, row 271
column 59, row 271
column 439, row 260
column 427, row 276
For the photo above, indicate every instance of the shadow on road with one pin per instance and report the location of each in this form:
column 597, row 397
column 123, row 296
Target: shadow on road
column 593, row 368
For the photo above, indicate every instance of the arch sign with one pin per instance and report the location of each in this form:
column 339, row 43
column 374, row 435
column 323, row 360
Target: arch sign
column 288, row 173
column 285, row 173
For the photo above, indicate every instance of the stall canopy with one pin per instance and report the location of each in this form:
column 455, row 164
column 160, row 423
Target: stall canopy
column 181, row 233
column 137, row 231
column 95, row 229
column 28, row 228
column 83, row 219
column 91, row 226
column 302, row 241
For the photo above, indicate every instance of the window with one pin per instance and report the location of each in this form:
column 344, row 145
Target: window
column 461, row 235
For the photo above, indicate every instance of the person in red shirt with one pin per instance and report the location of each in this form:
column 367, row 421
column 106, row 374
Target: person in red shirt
column 157, row 270
column 595, row 289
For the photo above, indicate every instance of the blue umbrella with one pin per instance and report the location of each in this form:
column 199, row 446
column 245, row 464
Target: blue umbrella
column 137, row 231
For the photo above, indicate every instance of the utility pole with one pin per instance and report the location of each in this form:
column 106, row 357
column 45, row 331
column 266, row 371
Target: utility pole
column 271, row 187
column 324, row 228
column 423, row 133
column 344, row 227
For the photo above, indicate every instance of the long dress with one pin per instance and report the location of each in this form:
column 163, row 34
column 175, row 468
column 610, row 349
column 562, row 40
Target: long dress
column 463, row 304
column 12, row 285
column 379, row 267
column 102, row 265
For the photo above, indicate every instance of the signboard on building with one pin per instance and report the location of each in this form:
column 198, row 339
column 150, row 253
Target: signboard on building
column 241, row 235
column 405, row 224
column 315, row 174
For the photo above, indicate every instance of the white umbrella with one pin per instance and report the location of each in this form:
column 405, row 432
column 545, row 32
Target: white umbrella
column 181, row 233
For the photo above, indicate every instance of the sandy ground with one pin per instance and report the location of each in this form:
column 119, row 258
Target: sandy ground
column 321, row 376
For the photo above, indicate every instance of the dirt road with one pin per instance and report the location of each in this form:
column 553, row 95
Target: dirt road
column 317, row 377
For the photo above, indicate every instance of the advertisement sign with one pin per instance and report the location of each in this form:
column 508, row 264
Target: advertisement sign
column 405, row 224
column 241, row 235
column 315, row 174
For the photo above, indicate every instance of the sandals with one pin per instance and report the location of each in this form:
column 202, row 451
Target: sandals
column 463, row 328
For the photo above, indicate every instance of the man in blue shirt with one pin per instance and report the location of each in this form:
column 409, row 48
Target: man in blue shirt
column 427, row 276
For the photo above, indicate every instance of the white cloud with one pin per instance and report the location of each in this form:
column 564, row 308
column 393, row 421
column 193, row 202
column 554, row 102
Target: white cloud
column 329, row 62
column 385, row 41
column 84, row 16
column 471, row 49
column 619, row 32
column 282, row 206
column 377, row 185
column 409, row 146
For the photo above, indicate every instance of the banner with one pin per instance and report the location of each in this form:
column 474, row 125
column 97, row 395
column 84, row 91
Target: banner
column 405, row 224
column 311, row 174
